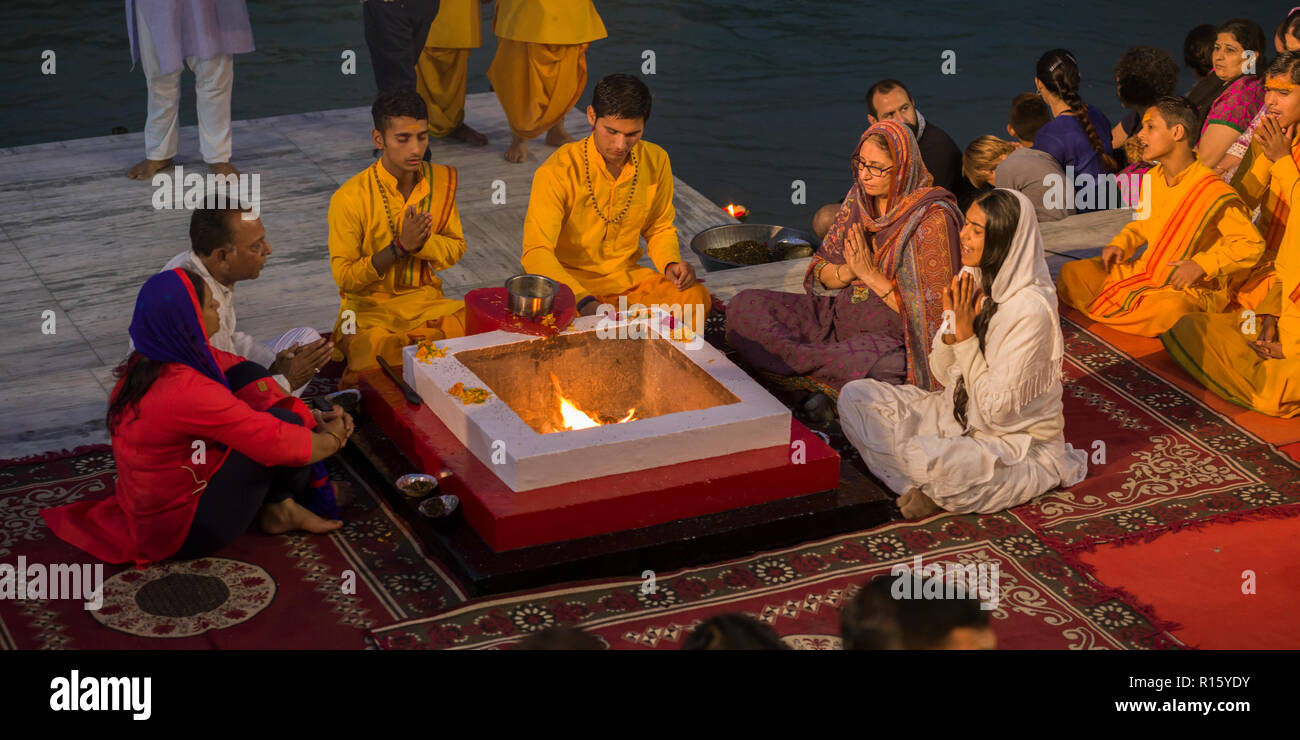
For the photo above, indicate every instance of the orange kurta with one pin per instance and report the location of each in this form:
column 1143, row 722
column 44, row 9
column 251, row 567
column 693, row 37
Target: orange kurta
column 404, row 305
column 1259, row 188
column 540, row 68
column 1199, row 218
column 1215, row 348
column 567, row 240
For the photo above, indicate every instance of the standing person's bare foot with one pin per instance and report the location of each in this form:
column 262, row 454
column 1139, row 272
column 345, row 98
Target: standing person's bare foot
column 147, row 168
column 288, row 516
column 223, row 168
column 468, row 135
column 557, row 136
column 518, row 150
column 915, row 505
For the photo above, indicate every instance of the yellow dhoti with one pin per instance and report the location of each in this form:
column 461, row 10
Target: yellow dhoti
column 377, row 336
column 656, row 290
column 537, row 84
column 1213, row 349
column 440, row 79
column 1080, row 282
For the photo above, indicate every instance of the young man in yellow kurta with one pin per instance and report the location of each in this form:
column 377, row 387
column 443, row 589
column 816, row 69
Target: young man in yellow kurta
column 392, row 227
column 442, row 69
column 1198, row 236
column 540, row 67
column 1254, row 360
column 593, row 200
column 1259, row 189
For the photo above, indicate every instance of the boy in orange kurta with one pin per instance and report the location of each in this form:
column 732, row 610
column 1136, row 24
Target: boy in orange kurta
column 592, row 202
column 1198, row 236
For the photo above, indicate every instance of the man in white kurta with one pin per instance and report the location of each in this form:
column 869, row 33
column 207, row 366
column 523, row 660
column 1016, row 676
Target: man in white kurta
column 225, row 249
column 1013, row 448
column 167, row 35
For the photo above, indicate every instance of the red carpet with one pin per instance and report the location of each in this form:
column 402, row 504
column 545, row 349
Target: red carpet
column 1194, row 578
column 1151, row 354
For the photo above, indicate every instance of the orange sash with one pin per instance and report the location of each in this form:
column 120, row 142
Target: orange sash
column 1196, row 212
column 414, row 272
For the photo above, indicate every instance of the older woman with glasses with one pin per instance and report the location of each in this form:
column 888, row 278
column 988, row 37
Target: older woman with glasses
column 885, row 261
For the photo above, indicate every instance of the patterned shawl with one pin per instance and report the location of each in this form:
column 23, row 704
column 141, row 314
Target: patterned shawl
column 919, row 261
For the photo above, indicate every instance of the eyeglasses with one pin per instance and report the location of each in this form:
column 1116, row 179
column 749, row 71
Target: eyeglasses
column 871, row 169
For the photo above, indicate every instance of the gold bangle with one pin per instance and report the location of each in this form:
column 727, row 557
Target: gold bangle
column 336, row 439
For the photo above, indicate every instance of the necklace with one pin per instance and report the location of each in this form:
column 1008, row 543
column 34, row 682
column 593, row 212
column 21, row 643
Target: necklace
column 383, row 193
column 591, row 189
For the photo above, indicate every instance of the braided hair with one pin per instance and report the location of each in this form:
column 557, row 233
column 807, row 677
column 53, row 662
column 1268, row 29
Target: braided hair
column 1002, row 214
column 1059, row 72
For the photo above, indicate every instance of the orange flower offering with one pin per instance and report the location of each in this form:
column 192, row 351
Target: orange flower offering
column 426, row 351
column 469, row 395
column 548, row 321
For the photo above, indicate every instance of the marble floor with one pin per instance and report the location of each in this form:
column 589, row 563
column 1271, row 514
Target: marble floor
column 77, row 238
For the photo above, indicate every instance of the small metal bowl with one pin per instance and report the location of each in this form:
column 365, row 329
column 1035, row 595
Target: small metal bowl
column 417, row 485
column 530, row 295
column 437, row 507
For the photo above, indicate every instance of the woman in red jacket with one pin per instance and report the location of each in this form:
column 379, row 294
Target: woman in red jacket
column 205, row 442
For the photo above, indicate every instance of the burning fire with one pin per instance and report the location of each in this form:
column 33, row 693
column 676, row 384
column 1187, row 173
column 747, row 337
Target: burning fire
column 736, row 211
column 574, row 417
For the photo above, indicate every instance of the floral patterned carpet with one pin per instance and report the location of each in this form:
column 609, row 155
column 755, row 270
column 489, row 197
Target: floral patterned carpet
column 1161, row 461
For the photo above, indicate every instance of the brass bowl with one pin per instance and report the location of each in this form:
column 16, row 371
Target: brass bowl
column 417, row 485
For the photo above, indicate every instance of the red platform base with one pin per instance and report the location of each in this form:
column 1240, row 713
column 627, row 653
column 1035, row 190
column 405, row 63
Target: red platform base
column 507, row 520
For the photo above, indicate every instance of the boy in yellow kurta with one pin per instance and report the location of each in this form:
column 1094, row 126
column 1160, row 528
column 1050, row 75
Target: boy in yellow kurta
column 1198, row 236
column 1254, row 361
column 593, row 200
column 391, row 228
column 441, row 69
column 540, row 67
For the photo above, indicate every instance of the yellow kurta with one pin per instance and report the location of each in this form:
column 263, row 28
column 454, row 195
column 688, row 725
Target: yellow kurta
column 1215, row 348
column 1197, row 218
column 548, row 21
column 566, row 239
column 1257, row 186
column 540, row 68
column 405, row 305
column 441, row 70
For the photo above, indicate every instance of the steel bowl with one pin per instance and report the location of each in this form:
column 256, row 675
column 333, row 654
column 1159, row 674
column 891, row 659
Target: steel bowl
column 437, row 507
column 417, row 485
column 530, row 295
column 777, row 238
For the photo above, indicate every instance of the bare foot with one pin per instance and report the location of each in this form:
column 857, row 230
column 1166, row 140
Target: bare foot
column 557, row 136
column 468, row 135
column 288, row 515
column 916, row 505
column 518, row 150
column 223, row 168
column 146, row 168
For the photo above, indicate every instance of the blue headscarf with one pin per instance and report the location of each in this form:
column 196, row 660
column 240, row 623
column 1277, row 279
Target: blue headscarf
column 168, row 325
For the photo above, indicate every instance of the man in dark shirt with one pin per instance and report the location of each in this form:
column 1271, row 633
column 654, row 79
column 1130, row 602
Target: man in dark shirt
column 890, row 100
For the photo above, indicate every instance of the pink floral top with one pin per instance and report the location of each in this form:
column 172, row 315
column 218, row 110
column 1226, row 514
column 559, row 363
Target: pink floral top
column 1237, row 105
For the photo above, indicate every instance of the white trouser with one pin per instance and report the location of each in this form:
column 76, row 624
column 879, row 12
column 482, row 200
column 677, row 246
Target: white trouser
column 213, row 79
column 301, row 335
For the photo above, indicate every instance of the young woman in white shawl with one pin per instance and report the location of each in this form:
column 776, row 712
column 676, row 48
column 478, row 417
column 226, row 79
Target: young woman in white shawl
column 993, row 437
